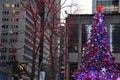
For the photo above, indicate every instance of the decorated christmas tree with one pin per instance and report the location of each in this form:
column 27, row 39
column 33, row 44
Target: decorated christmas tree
column 97, row 62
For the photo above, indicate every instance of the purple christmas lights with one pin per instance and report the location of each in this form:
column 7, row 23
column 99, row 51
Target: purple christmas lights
column 97, row 61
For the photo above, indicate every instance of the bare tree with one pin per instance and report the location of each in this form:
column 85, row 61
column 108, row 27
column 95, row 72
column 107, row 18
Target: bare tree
column 50, row 24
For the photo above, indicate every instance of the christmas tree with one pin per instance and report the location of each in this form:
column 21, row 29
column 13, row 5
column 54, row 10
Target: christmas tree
column 97, row 61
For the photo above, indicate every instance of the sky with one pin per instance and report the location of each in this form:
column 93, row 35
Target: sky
column 76, row 7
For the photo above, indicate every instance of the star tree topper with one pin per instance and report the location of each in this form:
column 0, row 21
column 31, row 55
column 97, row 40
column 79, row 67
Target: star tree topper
column 99, row 8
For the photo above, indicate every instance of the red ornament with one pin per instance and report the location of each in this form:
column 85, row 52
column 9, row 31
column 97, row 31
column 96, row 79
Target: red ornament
column 80, row 65
column 97, row 75
column 113, row 58
column 98, row 79
column 98, row 68
column 79, row 69
column 95, row 52
column 92, row 30
column 89, row 78
column 117, row 65
column 116, row 71
column 110, row 63
column 88, row 54
column 105, row 78
column 106, row 54
column 106, row 60
column 112, row 76
column 102, row 34
column 86, row 71
column 89, row 62
column 99, row 8
column 83, row 57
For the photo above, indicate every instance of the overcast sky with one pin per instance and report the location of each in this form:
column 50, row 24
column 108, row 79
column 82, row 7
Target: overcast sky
column 77, row 7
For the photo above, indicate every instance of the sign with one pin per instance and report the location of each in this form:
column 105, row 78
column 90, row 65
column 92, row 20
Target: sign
column 42, row 75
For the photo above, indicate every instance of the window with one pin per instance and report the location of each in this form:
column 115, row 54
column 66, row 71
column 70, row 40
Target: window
column 29, row 15
column 5, row 19
column 14, row 33
column 115, row 31
column 3, row 57
column 3, row 50
column 10, row 57
column 14, row 12
column 13, row 40
column 6, row 5
column 5, row 12
column 12, row 50
column 116, row 8
column 14, row 19
column 3, row 40
column 5, row 34
column 14, row 26
column 29, row 22
column 4, row 26
column 14, row 5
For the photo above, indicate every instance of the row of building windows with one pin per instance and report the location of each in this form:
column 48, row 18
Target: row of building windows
column 29, row 22
column 7, row 26
column 4, row 57
column 6, row 33
column 4, row 26
column 11, row 40
column 7, row 12
column 27, row 51
column 8, row 5
column 10, row 19
column 10, row 50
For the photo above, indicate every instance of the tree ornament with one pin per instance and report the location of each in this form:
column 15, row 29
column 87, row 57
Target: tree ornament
column 113, row 58
column 105, row 78
column 88, row 54
column 98, row 68
column 89, row 62
column 86, row 71
column 89, row 78
column 107, row 55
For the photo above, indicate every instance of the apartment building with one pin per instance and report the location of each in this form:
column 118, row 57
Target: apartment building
column 16, row 35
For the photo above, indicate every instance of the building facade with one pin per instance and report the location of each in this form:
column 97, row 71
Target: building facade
column 109, row 6
column 16, row 36
column 79, row 27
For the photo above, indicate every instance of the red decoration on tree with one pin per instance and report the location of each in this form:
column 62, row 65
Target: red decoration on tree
column 99, row 8
column 87, row 53
column 89, row 78
column 106, row 79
